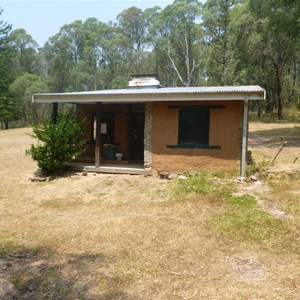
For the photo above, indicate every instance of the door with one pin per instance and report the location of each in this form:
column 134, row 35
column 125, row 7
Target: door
column 137, row 136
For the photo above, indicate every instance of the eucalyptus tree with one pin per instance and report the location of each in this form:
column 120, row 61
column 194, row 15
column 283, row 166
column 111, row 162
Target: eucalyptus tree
column 22, row 89
column 220, row 63
column 115, row 52
column 26, row 50
column 63, row 52
column 175, row 34
column 91, row 56
column 133, row 24
column 86, row 55
column 279, row 47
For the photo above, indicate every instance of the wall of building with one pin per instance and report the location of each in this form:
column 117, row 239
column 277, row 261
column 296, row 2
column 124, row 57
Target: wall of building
column 225, row 131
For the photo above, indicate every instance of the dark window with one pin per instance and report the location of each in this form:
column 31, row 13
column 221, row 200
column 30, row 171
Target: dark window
column 194, row 126
column 194, row 122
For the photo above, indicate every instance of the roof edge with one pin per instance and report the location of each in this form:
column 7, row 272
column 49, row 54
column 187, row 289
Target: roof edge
column 154, row 94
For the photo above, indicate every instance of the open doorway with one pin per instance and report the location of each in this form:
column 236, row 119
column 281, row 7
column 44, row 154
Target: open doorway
column 137, row 137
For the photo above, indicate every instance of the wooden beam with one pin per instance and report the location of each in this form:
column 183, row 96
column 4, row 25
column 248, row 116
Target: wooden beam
column 98, row 135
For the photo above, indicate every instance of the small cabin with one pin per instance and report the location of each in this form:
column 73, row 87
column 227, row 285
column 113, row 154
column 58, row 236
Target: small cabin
column 147, row 129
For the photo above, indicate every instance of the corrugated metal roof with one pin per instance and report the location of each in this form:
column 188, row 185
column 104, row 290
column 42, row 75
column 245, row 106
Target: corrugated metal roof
column 157, row 94
column 174, row 90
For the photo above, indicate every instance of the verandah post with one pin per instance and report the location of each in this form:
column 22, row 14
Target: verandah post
column 98, row 135
column 244, row 139
column 54, row 111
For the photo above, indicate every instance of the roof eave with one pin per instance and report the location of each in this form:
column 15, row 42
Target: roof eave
column 142, row 98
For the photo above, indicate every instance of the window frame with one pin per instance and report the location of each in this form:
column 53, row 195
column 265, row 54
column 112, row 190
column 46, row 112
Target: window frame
column 194, row 108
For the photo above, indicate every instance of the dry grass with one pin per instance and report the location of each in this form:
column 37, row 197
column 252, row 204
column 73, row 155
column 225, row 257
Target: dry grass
column 132, row 237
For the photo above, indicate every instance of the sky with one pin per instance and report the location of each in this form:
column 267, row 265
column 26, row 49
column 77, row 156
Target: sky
column 42, row 19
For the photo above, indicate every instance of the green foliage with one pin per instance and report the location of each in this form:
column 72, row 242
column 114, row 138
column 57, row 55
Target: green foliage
column 120, row 83
column 23, row 87
column 26, row 51
column 7, row 71
column 9, row 110
column 58, row 143
column 218, row 39
column 175, row 36
column 4, row 32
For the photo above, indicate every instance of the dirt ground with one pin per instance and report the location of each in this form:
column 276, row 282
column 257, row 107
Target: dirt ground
column 266, row 139
column 131, row 237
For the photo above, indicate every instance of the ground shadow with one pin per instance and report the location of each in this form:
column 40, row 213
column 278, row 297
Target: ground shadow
column 276, row 137
column 35, row 273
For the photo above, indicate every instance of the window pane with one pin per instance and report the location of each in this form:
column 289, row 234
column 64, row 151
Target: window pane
column 194, row 127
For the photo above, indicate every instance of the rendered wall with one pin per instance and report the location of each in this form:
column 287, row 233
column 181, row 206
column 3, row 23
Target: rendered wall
column 225, row 131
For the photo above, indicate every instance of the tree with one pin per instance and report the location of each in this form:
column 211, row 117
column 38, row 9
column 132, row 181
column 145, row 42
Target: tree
column 269, row 32
column 133, row 25
column 9, row 110
column 22, row 89
column 7, row 71
column 218, row 40
column 175, row 36
column 26, row 51
column 5, row 29
column 58, row 143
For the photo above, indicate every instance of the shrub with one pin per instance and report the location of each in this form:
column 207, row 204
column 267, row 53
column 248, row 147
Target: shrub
column 58, row 142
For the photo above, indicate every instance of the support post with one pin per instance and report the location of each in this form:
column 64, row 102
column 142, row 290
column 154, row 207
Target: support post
column 54, row 112
column 244, row 139
column 98, row 135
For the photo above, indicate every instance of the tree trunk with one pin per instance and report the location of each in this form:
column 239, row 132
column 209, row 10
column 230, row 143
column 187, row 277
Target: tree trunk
column 258, row 109
column 6, row 124
column 279, row 94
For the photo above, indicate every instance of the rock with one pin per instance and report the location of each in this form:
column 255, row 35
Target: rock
column 182, row 177
column 6, row 288
column 172, row 176
column 253, row 178
column 84, row 173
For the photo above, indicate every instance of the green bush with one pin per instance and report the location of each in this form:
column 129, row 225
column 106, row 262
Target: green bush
column 58, row 143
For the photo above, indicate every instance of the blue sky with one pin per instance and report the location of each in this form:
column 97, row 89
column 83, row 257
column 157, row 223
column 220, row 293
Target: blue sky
column 43, row 18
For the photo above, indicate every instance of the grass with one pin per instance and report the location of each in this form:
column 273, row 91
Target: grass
column 133, row 237
column 246, row 220
column 199, row 183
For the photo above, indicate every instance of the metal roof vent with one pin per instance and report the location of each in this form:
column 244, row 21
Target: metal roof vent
column 144, row 82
